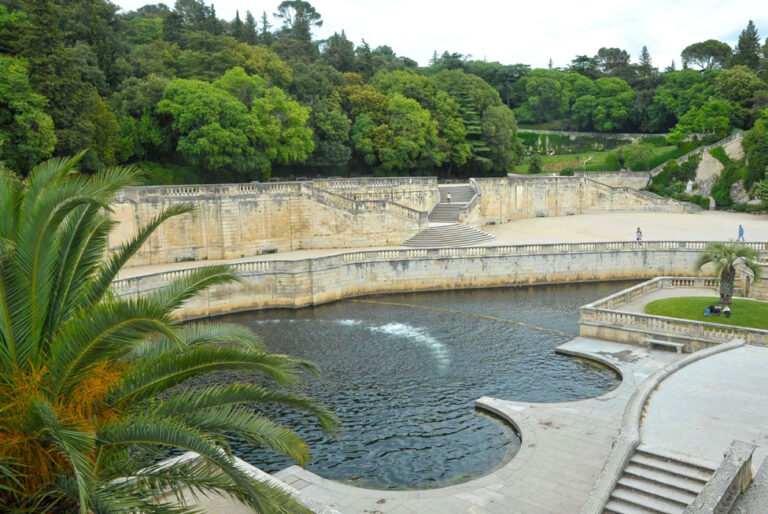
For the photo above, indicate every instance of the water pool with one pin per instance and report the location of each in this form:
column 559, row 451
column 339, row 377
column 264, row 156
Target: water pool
column 402, row 373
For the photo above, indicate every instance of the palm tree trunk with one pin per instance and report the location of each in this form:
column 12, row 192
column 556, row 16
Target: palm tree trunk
column 727, row 278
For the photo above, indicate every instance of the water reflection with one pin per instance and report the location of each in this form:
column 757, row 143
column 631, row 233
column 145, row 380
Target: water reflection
column 403, row 380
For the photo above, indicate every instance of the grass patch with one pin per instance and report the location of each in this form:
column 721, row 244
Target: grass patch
column 595, row 161
column 744, row 313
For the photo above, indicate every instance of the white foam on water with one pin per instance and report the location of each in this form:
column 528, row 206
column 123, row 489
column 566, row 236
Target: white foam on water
column 349, row 322
column 420, row 336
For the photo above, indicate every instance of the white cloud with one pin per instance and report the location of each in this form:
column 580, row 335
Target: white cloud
column 527, row 32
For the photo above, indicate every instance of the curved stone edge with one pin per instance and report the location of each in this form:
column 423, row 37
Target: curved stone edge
column 629, row 436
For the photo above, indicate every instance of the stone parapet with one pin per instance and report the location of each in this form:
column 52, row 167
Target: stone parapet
column 602, row 319
column 299, row 283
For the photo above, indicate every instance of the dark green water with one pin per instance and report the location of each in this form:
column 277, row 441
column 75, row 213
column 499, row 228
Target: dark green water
column 403, row 379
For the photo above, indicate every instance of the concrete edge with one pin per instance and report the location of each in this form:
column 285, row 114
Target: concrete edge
column 629, row 436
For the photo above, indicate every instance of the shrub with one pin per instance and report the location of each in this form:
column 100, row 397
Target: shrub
column 721, row 190
column 688, row 168
column 567, row 172
column 719, row 153
column 656, row 141
column 535, row 164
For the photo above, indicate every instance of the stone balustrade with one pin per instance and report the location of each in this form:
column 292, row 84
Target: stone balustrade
column 268, row 283
column 602, row 320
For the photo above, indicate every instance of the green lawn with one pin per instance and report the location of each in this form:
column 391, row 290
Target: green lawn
column 744, row 313
column 596, row 163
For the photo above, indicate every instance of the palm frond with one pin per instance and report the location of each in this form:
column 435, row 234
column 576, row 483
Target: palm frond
column 193, row 283
column 117, row 260
column 240, row 393
column 74, row 441
column 148, row 379
column 100, row 334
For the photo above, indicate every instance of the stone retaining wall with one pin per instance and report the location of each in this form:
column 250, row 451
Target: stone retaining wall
column 528, row 196
column 276, row 283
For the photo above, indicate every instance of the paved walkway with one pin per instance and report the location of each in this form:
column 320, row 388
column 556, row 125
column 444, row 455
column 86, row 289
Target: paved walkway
column 638, row 304
column 700, row 409
column 564, row 447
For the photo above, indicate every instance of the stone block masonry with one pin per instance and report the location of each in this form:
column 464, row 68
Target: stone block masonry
column 244, row 220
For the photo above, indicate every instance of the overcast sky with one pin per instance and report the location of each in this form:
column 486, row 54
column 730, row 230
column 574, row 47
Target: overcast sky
column 529, row 32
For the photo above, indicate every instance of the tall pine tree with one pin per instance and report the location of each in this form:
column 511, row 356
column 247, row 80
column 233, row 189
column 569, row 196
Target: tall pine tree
column 747, row 51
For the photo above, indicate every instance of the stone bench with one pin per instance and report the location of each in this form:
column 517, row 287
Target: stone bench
column 678, row 347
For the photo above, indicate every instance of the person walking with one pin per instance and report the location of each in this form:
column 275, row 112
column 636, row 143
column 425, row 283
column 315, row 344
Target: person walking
column 638, row 235
column 741, row 233
column 448, row 197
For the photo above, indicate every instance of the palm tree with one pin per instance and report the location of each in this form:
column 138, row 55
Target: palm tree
column 725, row 257
column 94, row 388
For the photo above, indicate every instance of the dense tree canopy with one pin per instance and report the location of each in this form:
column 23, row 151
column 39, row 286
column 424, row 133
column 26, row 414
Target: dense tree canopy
column 121, row 85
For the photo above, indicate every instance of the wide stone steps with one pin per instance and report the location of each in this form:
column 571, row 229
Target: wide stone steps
column 449, row 235
column 445, row 213
column 657, row 482
column 461, row 193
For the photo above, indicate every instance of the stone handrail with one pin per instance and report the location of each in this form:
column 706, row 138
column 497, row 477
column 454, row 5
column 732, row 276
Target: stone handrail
column 622, row 297
column 658, row 169
column 645, row 195
column 350, row 205
column 383, row 182
column 731, row 478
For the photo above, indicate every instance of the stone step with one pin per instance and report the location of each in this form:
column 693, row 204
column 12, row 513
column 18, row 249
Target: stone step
column 448, row 235
column 651, row 503
column 616, row 506
column 671, row 467
column 657, row 490
column 687, row 460
column 459, row 192
column 659, row 477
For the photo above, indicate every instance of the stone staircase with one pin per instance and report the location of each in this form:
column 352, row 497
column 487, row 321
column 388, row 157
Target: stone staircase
column 445, row 212
column 449, row 235
column 656, row 481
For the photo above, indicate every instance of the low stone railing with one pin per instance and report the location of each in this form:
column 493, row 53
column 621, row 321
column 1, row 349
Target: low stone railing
column 730, row 479
column 601, row 319
column 354, row 206
column 377, row 182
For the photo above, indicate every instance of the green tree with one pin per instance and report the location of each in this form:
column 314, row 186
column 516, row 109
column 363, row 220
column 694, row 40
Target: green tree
column 298, row 18
column 747, row 51
column 637, row 156
column 330, row 132
column 443, row 108
column 250, row 34
column 95, row 387
column 237, row 29
column 535, row 164
column 339, row 52
column 26, row 131
column 725, row 257
column 500, row 134
column 13, row 27
column 707, row 55
column 755, row 145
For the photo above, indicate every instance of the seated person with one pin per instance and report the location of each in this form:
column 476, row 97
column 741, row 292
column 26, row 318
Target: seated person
column 727, row 311
column 707, row 311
